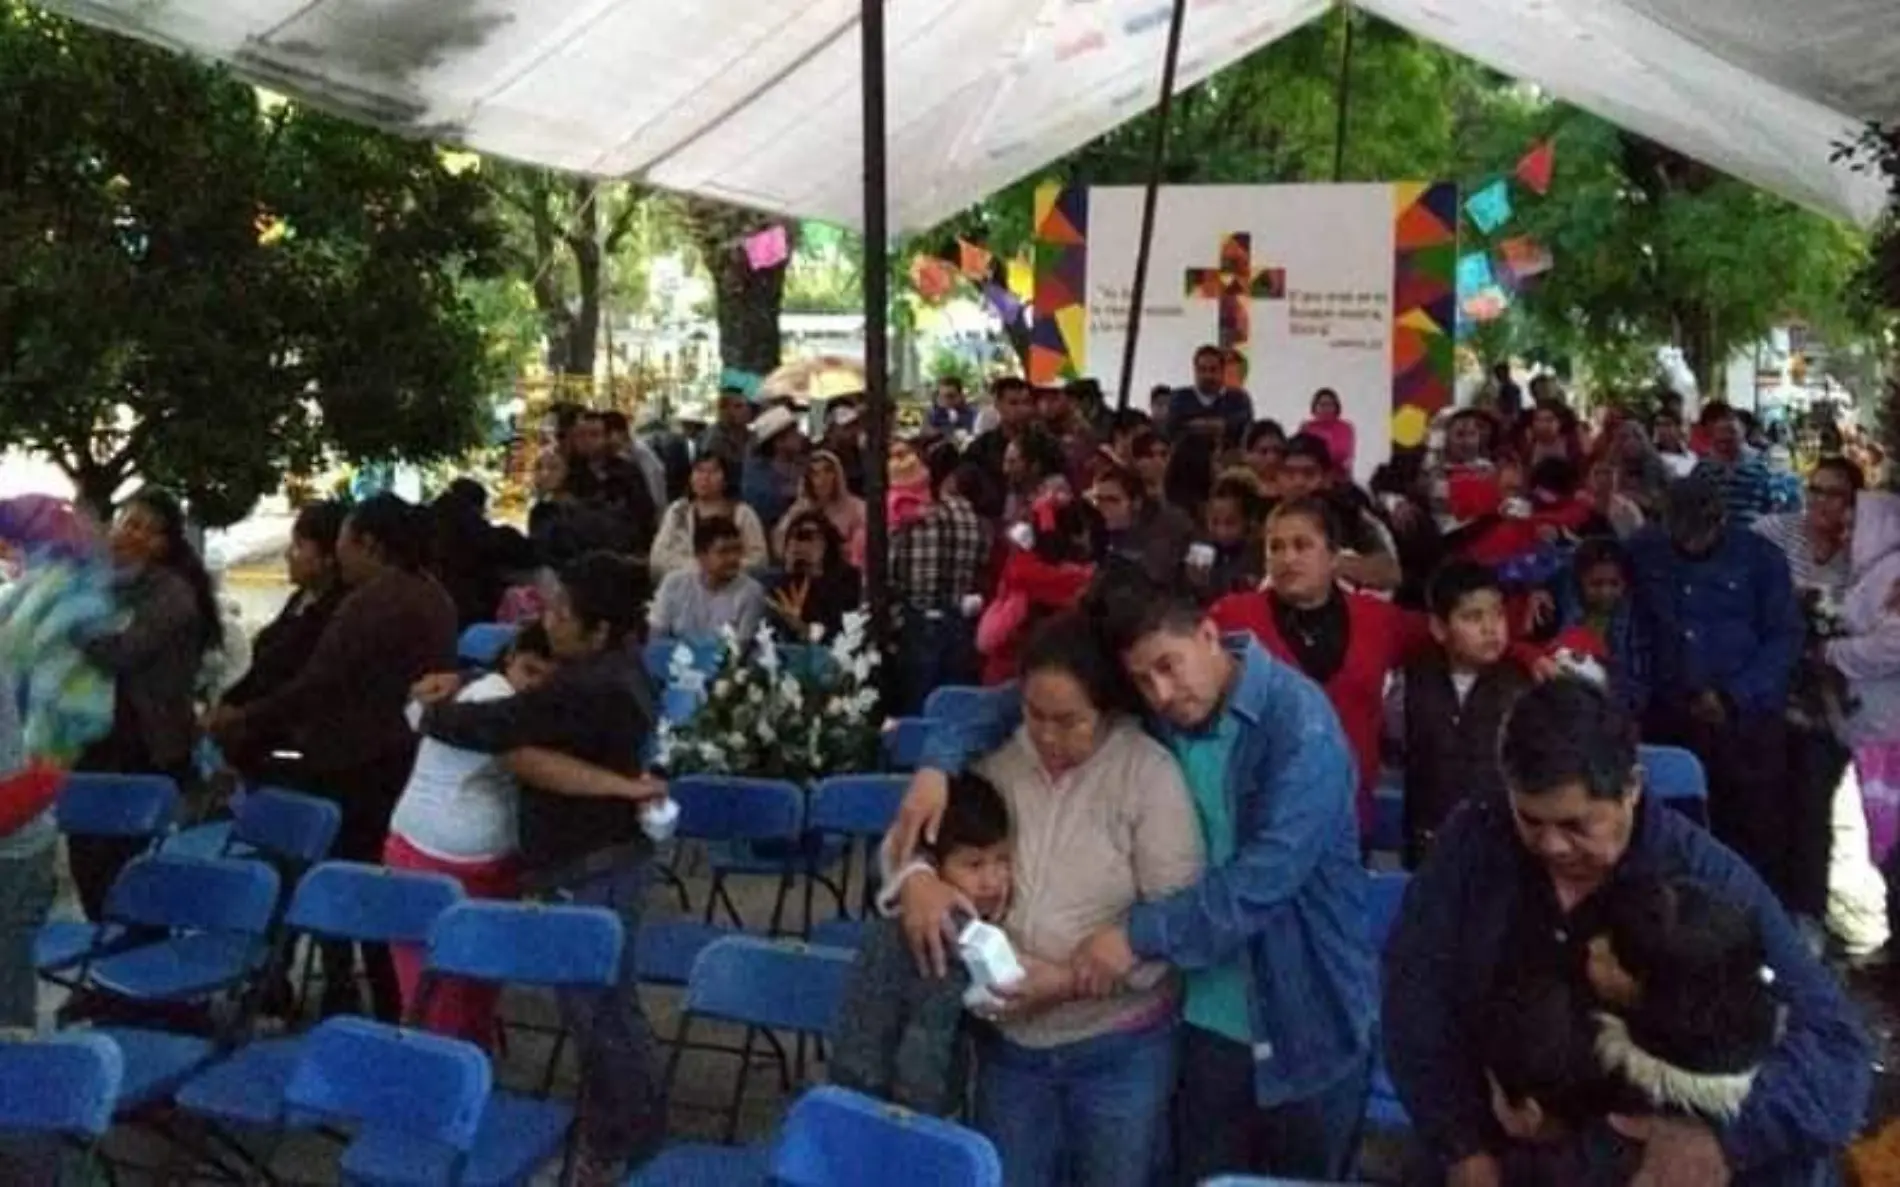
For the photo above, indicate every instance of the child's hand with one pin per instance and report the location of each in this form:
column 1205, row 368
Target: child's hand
column 432, row 690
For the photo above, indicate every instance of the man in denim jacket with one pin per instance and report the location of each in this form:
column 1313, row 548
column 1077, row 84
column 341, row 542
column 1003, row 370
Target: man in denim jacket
column 1273, row 937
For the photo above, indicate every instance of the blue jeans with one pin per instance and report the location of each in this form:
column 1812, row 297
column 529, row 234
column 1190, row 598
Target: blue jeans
column 623, row 1113
column 1221, row 1131
column 933, row 652
column 1088, row 1114
column 27, row 888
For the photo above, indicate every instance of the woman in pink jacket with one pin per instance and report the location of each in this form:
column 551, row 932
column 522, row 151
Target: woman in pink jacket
column 1330, row 425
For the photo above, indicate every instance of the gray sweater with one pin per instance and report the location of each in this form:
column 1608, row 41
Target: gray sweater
column 898, row 1035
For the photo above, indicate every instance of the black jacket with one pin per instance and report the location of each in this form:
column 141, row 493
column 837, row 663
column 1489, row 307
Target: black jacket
column 1451, row 747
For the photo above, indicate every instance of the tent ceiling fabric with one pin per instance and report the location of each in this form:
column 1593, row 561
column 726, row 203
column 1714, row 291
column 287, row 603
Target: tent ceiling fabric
column 756, row 101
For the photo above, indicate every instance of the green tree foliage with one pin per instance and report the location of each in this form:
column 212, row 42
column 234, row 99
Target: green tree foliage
column 1653, row 249
column 204, row 290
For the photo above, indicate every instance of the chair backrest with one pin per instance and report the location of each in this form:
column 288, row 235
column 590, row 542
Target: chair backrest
column 116, row 805
column 409, row 1083
column 904, row 742
column 216, row 894
column 527, row 944
column 66, row 1084
column 954, row 702
column 483, row 643
column 856, row 805
column 347, row 900
column 1385, row 892
column 776, row 984
column 287, row 825
column 1672, row 773
column 728, row 808
column 707, row 655
column 837, row 1138
column 678, row 704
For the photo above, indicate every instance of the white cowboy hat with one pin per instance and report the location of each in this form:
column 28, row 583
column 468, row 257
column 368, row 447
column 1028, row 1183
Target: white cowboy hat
column 771, row 423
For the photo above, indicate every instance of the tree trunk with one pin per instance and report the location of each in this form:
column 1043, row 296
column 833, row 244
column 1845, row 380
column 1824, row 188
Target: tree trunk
column 1696, row 338
column 583, row 239
column 746, row 303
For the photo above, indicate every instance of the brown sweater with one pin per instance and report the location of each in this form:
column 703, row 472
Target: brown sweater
column 345, row 708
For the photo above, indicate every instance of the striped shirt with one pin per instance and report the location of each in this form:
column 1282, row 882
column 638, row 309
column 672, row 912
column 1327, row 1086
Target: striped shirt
column 1747, row 490
column 1787, row 532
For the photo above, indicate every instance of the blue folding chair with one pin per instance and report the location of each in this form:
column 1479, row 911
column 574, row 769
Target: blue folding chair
column 837, row 1138
column 58, row 1092
column 904, row 742
column 293, row 830
column 766, row 986
column 124, row 806
column 860, row 809
column 1676, row 777
column 345, row 901
column 522, row 944
column 954, row 702
column 707, row 655
column 215, row 917
column 1388, row 814
column 482, row 645
column 720, row 810
column 1385, row 895
column 413, row 1101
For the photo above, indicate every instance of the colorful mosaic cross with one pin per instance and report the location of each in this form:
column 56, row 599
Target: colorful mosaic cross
column 1236, row 285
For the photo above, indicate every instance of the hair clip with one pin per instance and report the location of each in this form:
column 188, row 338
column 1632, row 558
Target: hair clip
column 1766, row 974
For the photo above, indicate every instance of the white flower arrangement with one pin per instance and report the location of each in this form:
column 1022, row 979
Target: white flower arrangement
column 770, row 711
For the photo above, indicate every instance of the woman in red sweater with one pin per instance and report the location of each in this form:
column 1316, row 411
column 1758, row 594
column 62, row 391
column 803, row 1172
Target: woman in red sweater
column 1346, row 642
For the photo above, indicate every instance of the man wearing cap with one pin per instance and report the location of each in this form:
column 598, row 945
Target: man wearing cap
column 730, row 437
column 776, row 464
column 1725, row 631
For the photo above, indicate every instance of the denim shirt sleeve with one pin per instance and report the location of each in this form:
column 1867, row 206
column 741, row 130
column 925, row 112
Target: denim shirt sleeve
column 1762, row 685
column 1810, row 1096
column 1290, row 804
column 1426, row 1047
column 954, row 743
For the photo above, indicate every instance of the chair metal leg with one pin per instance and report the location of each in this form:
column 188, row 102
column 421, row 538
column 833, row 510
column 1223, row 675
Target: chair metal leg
column 738, row 1086
column 778, row 906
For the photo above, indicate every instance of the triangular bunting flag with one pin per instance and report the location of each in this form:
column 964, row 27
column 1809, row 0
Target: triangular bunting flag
column 1490, row 207
column 1474, row 274
column 973, row 261
column 1421, row 321
column 1524, row 257
column 1535, row 169
column 1006, row 304
column 931, row 277
column 768, row 248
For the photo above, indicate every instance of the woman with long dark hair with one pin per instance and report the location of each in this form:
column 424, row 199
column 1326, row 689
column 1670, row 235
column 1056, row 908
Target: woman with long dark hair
column 344, row 710
column 154, row 662
column 816, row 586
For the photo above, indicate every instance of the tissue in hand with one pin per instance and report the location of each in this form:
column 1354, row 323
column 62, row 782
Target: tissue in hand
column 658, row 819
column 992, row 962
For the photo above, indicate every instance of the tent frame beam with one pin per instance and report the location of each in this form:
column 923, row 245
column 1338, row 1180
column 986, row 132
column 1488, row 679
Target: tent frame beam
column 1150, row 196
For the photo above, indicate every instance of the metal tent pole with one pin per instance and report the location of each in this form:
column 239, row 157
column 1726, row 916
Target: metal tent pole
column 1343, row 99
column 877, row 378
column 1157, row 161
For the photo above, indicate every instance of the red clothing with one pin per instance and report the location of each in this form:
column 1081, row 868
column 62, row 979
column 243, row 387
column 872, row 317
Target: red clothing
column 1380, row 638
column 1028, row 588
column 462, row 1009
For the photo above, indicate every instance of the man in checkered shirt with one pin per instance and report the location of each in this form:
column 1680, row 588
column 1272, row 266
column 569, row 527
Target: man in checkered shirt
column 936, row 563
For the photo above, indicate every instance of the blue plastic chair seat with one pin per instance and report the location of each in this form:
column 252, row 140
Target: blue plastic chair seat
column 156, row 1062
column 200, row 840
column 518, row 1135
column 839, row 933
column 769, row 858
column 695, row 1164
column 379, row 1157
column 63, row 942
column 245, row 1089
column 665, row 951
column 179, row 968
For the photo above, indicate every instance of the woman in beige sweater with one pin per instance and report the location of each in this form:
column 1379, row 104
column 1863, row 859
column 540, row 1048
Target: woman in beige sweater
column 710, row 497
column 1101, row 819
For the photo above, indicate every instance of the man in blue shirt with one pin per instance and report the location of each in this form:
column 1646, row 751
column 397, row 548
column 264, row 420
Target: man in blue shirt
column 1748, row 489
column 951, row 412
column 1522, row 885
column 1273, row 938
column 1210, row 405
column 1717, row 606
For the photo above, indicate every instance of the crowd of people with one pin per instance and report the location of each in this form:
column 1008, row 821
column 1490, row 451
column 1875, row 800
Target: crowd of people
column 1212, row 653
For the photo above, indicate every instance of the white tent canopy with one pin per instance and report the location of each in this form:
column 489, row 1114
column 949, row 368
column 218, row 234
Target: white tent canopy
column 756, row 102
